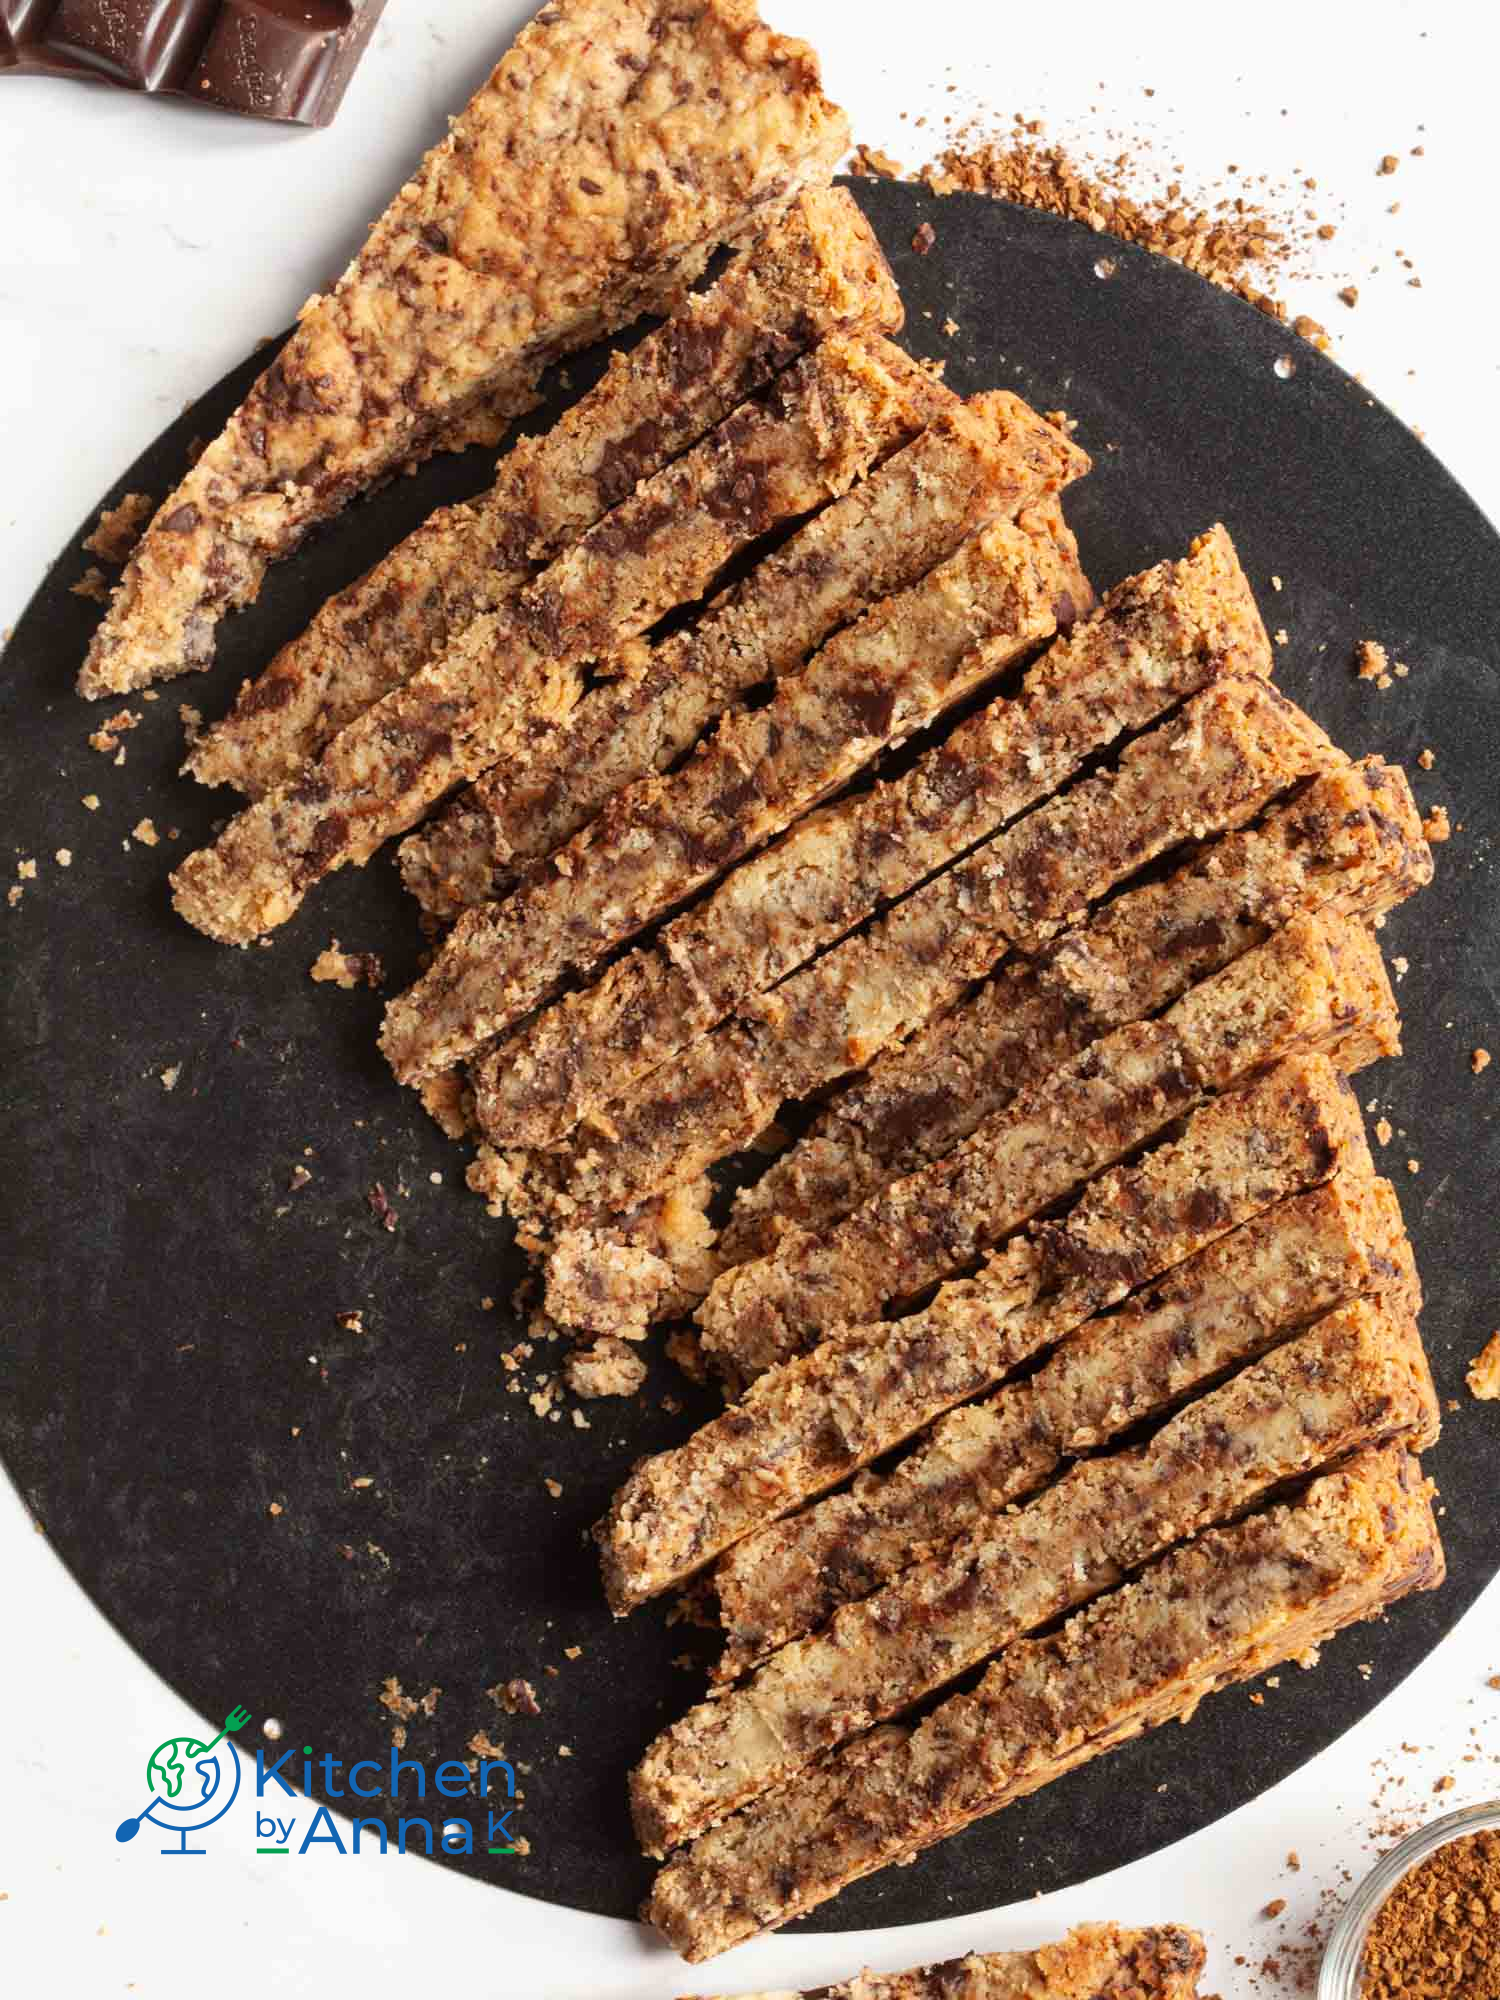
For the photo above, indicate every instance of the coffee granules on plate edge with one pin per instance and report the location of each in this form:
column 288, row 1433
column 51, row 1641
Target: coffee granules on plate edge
column 1437, row 1935
column 1236, row 241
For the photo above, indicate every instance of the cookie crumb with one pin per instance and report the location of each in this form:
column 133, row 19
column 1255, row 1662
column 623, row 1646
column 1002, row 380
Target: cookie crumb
column 64, row 857
column 869, row 163
column 93, row 584
column 516, row 1697
column 1388, row 164
column 924, row 239
column 170, row 1075
column 1426, row 759
column 608, row 1368
column 1484, row 1384
column 118, row 528
column 1383, row 1131
column 145, row 832
column 1437, row 827
column 91, row 802
column 1275, row 1907
column 1479, row 1061
column 1370, row 660
column 106, row 738
column 347, row 968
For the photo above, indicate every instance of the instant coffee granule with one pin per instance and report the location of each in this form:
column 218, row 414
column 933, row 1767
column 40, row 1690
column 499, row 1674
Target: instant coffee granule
column 1437, row 1935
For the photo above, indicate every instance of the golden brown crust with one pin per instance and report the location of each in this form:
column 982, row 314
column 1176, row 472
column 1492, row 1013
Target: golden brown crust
column 805, row 1426
column 908, row 516
column 1350, row 841
column 1232, row 1603
column 1217, row 1310
column 815, row 429
column 817, row 267
column 1358, row 1377
column 615, row 144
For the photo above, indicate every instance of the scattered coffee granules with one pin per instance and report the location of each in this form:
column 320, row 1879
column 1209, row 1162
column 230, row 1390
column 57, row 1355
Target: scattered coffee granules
column 1230, row 247
column 1437, row 1935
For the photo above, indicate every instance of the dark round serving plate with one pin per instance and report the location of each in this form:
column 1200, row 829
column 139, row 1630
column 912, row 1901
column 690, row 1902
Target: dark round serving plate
column 174, row 1362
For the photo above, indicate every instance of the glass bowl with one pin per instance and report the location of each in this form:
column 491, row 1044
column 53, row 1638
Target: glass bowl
column 1342, row 1970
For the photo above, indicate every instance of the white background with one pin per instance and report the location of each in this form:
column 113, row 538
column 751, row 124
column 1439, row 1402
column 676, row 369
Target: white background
column 143, row 248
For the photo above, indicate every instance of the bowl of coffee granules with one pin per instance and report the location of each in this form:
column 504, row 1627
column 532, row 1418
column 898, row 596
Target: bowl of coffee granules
column 1425, row 1924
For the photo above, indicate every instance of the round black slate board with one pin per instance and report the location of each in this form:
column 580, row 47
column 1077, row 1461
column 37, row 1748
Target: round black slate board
column 174, row 1364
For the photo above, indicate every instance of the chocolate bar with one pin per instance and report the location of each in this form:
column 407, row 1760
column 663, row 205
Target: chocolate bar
column 289, row 60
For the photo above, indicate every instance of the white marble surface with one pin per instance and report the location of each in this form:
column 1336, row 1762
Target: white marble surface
column 143, row 248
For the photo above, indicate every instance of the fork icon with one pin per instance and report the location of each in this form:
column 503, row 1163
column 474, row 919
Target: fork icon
column 236, row 1719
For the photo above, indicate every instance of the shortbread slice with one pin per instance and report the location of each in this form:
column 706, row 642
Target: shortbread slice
column 803, row 1427
column 910, row 514
column 1349, row 841
column 1093, row 1962
column 1317, row 984
column 617, row 142
column 816, row 268
column 1217, row 1310
column 1232, row 748
column 895, row 670
column 1227, row 1606
column 1356, row 1378
column 810, row 434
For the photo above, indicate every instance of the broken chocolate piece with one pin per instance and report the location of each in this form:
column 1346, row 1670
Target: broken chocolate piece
column 285, row 60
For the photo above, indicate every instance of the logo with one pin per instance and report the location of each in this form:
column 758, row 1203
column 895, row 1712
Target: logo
column 192, row 1785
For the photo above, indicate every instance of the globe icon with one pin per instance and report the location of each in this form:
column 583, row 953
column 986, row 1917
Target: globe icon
column 192, row 1784
column 180, row 1775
